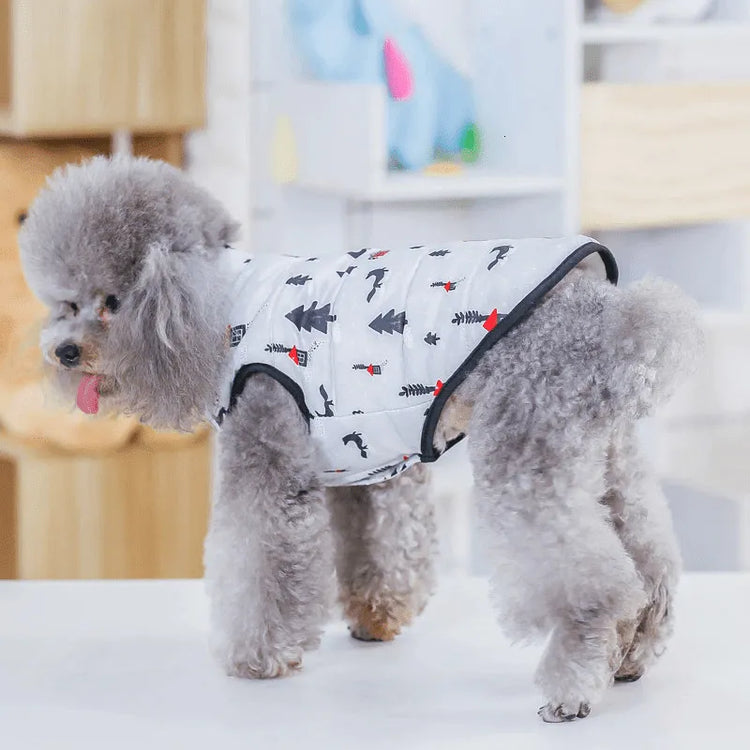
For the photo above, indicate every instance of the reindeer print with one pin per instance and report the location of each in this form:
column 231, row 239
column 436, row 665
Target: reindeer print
column 377, row 275
column 327, row 404
column 501, row 252
column 356, row 438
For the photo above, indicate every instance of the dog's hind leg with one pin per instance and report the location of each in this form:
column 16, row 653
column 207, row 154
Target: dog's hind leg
column 385, row 549
column 560, row 565
column 640, row 514
column 269, row 555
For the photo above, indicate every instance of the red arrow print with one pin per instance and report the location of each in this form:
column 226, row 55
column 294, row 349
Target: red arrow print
column 438, row 388
column 491, row 321
column 449, row 287
column 371, row 369
column 293, row 355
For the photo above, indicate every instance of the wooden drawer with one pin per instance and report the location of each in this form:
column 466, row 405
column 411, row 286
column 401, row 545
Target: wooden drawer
column 659, row 155
column 138, row 512
column 80, row 67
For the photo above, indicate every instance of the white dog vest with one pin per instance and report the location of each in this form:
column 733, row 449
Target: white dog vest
column 371, row 344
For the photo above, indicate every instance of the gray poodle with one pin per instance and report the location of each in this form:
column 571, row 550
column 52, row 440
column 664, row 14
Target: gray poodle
column 129, row 257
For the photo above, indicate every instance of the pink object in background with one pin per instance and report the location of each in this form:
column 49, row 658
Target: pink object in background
column 397, row 71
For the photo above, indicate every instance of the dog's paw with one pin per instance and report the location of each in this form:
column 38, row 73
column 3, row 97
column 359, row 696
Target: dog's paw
column 555, row 714
column 264, row 666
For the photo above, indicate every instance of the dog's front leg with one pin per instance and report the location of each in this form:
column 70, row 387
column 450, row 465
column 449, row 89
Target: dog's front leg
column 269, row 559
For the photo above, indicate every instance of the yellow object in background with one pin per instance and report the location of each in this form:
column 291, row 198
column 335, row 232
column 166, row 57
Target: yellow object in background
column 441, row 168
column 623, row 6
column 284, row 151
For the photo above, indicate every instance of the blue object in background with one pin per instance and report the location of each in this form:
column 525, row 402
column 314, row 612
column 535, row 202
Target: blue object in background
column 344, row 40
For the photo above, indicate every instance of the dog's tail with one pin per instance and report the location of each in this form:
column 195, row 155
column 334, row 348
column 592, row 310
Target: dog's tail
column 657, row 341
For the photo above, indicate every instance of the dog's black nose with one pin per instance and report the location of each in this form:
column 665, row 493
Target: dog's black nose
column 69, row 354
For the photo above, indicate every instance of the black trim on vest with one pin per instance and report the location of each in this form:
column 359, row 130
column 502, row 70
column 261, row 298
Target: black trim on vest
column 522, row 310
column 260, row 368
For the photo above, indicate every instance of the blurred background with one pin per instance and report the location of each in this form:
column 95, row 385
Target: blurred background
column 328, row 125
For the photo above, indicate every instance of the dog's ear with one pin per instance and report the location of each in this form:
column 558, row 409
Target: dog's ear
column 158, row 299
column 170, row 336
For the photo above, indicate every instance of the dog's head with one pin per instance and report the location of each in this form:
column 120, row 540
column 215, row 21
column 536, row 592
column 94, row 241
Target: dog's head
column 126, row 253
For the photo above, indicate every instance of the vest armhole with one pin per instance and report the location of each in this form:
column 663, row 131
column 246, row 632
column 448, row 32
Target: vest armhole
column 522, row 310
column 260, row 368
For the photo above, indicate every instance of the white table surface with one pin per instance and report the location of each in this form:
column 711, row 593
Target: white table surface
column 125, row 664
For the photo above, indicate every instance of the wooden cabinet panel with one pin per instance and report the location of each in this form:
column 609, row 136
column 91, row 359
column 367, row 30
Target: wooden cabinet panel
column 665, row 154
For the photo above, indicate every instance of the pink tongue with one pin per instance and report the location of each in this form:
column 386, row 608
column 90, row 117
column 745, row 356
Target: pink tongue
column 87, row 397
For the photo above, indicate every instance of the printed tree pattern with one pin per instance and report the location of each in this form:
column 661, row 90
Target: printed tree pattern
column 420, row 389
column 314, row 317
column 440, row 253
column 469, row 317
column 431, row 339
column 389, row 322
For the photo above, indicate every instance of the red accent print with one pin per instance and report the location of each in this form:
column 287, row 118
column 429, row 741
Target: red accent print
column 491, row 321
column 406, row 458
column 448, row 286
column 293, row 355
column 438, row 388
column 371, row 369
column 378, row 254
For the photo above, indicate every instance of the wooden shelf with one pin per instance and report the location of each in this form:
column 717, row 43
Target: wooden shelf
column 71, row 68
column 611, row 33
column 412, row 187
column 664, row 154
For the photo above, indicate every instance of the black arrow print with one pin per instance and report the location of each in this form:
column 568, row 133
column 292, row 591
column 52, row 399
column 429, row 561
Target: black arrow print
column 356, row 438
column 327, row 403
column 347, row 272
column 502, row 251
column 390, row 322
column 314, row 317
column 357, row 253
column 377, row 275
column 299, row 280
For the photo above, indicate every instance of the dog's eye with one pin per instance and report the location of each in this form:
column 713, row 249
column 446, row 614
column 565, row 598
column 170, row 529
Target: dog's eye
column 73, row 307
column 112, row 303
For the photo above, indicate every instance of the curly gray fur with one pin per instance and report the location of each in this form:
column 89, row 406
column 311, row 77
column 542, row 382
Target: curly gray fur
column 584, row 544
